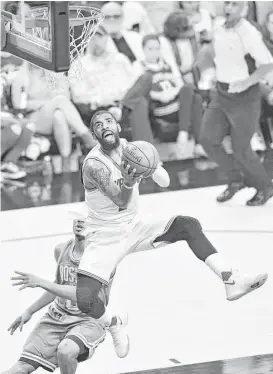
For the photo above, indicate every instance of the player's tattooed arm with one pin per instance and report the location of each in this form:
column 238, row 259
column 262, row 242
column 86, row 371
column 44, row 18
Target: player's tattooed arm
column 99, row 175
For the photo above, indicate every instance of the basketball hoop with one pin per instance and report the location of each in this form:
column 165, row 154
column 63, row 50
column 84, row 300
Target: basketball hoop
column 83, row 23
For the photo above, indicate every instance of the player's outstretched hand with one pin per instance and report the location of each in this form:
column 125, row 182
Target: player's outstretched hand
column 19, row 322
column 26, row 280
column 129, row 174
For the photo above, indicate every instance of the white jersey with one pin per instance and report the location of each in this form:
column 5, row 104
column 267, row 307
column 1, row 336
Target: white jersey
column 101, row 209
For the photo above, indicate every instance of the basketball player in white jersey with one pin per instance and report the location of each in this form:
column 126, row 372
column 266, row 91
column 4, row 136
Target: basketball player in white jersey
column 114, row 229
column 64, row 336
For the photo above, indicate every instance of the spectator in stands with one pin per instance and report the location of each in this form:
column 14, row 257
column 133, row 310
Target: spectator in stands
column 199, row 18
column 120, row 40
column 15, row 138
column 180, row 47
column 135, row 18
column 171, row 107
column 158, row 11
column 52, row 113
column 107, row 76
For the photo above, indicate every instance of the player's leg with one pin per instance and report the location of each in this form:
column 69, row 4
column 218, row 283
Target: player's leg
column 101, row 255
column 20, row 368
column 90, row 300
column 67, row 354
column 79, row 345
column 190, row 230
column 88, row 296
column 40, row 349
column 103, row 250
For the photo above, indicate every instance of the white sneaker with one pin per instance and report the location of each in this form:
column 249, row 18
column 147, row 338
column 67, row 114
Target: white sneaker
column 9, row 170
column 120, row 336
column 199, row 151
column 240, row 285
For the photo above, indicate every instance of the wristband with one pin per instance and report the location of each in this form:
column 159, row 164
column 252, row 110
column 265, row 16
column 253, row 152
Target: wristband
column 128, row 187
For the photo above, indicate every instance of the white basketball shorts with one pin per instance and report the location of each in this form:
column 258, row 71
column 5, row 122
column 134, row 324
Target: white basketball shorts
column 106, row 247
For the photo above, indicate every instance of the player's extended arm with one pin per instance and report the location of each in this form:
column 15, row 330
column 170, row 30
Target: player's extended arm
column 27, row 280
column 161, row 177
column 99, row 175
column 64, row 291
column 43, row 301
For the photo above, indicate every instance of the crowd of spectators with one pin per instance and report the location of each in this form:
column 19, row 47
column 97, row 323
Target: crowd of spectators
column 155, row 73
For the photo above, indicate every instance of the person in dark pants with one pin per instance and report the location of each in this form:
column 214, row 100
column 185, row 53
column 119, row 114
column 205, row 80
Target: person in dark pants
column 241, row 59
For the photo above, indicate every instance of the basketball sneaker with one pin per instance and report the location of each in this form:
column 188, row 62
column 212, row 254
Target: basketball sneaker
column 9, row 170
column 239, row 285
column 120, row 336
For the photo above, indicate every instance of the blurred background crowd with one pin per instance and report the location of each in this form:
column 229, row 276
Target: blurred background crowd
column 149, row 63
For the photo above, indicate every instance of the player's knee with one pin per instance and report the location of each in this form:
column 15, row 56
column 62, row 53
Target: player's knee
column 67, row 350
column 88, row 299
column 189, row 226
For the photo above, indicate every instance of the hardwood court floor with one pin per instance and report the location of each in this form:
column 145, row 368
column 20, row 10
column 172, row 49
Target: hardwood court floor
column 179, row 318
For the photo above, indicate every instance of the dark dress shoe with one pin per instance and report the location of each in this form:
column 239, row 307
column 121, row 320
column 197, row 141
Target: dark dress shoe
column 261, row 197
column 230, row 191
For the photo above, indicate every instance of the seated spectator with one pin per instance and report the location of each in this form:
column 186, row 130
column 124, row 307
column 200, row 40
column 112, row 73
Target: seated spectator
column 172, row 110
column 199, row 18
column 120, row 40
column 158, row 11
column 179, row 45
column 135, row 18
column 107, row 76
column 110, row 82
column 15, row 138
column 52, row 113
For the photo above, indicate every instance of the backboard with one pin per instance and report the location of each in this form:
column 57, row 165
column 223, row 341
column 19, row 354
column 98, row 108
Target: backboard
column 39, row 33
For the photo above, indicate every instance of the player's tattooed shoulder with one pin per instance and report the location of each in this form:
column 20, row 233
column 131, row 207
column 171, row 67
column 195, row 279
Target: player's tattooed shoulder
column 100, row 173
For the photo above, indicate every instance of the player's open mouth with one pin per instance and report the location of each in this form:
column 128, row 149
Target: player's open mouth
column 106, row 134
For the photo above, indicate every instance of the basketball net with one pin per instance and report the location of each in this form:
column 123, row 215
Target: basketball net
column 83, row 23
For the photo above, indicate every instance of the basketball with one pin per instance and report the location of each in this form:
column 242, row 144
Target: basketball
column 142, row 156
